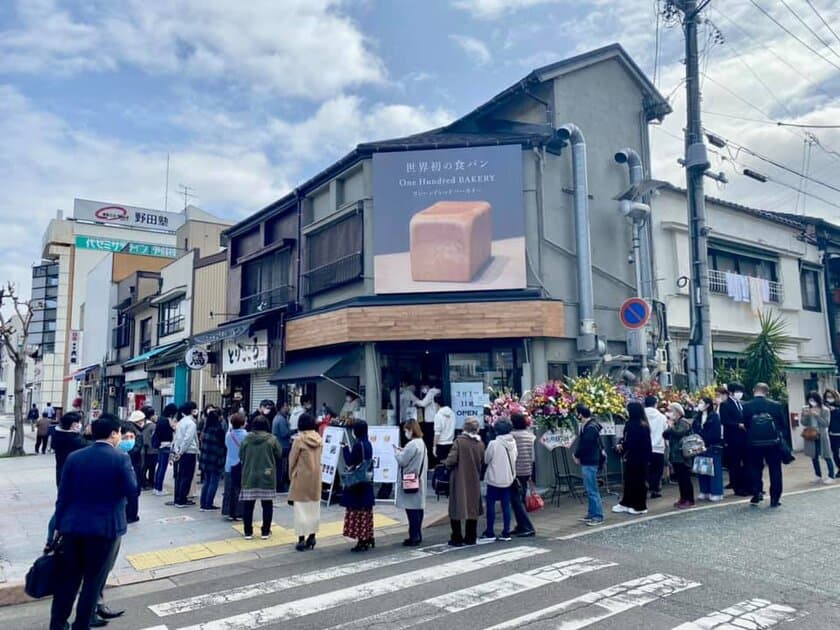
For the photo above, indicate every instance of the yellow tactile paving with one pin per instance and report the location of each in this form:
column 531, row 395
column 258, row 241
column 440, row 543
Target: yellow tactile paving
column 149, row 560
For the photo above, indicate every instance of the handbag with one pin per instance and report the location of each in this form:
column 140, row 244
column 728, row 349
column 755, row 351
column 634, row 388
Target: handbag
column 411, row 480
column 692, row 445
column 534, row 502
column 358, row 474
column 810, row 434
column 41, row 578
column 703, row 466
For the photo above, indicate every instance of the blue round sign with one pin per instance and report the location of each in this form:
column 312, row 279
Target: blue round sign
column 634, row 313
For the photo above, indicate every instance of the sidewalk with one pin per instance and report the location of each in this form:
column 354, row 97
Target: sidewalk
column 169, row 541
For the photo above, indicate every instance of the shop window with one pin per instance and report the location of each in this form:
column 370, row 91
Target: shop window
column 265, row 283
column 809, row 280
column 334, row 254
column 171, row 317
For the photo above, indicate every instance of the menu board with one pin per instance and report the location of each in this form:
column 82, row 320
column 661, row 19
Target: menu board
column 332, row 451
column 383, row 439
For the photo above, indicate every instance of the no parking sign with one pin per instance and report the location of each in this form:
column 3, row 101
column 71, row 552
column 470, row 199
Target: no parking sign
column 634, row 313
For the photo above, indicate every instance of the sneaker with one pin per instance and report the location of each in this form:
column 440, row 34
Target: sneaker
column 704, row 497
column 526, row 534
column 594, row 522
column 637, row 512
column 487, row 536
column 585, row 519
column 716, row 497
column 775, row 505
column 160, row 493
column 504, row 538
column 828, row 481
column 190, row 501
column 265, row 536
column 756, row 500
column 684, row 505
column 249, row 537
column 816, row 480
column 618, row 508
column 182, row 505
column 229, row 518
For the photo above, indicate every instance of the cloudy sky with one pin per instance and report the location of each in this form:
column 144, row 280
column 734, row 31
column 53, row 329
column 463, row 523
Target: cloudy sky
column 250, row 98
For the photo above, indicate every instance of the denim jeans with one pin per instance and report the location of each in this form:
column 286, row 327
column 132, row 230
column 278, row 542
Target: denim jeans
column 162, row 465
column 818, row 469
column 590, row 483
column 209, row 488
column 415, row 524
column 713, row 484
column 231, row 505
column 498, row 494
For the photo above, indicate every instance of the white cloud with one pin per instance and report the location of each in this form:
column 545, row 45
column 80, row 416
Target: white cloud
column 474, row 48
column 303, row 48
column 492, row 9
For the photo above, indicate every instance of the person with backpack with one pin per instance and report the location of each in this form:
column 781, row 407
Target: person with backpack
column 32, row 416
column 678, row 428
column 590, row 456
column 764, row 421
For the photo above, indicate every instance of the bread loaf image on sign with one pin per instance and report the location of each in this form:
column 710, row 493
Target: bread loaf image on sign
column 450, row 241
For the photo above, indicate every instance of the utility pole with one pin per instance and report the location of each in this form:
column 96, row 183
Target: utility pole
column 700, row 366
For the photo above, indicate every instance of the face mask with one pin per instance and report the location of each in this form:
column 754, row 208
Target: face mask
column 76, row 428
column 701, row 407
column 738, row 395
column 812, row 403
column 126, row 445
column 408, row 435
column 829, row 401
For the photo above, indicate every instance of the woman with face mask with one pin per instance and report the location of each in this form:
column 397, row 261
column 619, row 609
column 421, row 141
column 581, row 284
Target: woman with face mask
column 816, row 416
column 678, row 428
column 707, row 425
column 832, row 401
column 411, row 481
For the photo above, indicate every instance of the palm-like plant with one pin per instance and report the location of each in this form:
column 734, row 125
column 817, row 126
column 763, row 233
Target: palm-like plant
column 762, row 358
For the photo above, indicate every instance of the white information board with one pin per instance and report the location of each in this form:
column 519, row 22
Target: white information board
column 557, row 438
column 383, row 439
column 468, row 399
column 332, row 451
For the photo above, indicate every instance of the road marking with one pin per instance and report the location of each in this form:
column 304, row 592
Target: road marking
column 241, row 593
column 363, row 591
column 150, row 560
column 597, row 606
column 753, row 614
column 431, row 609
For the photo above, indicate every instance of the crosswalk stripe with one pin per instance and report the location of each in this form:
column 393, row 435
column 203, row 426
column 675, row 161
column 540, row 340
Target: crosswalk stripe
column 593, row 607
column 363, row 591
column 431, row 609
column 752, row 614
column 248, row 591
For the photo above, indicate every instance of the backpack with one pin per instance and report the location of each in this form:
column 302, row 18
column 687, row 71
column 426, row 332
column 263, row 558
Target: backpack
column 762, row 431
column 440, row 481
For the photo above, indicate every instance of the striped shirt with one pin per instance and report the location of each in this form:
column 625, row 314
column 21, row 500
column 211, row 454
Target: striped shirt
column 524, row 452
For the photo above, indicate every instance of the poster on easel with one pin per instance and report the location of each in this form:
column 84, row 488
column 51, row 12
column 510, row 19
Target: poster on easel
column 383, row 439
column 330, row 454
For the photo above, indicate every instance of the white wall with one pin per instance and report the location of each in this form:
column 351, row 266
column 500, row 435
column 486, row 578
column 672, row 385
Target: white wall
column 179, row 273
column 99, row 316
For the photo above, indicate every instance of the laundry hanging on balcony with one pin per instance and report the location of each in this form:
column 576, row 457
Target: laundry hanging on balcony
column 759, row 294
column 737, row 287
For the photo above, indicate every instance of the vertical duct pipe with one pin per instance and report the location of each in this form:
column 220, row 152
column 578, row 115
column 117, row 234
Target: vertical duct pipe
column 643, row 260
column 587, row 339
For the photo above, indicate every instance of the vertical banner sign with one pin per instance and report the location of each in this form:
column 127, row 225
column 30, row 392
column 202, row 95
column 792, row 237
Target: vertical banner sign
column 467, row 400
column 448, row 220
column 75, row 346
column 383, row 440
column 331, row 453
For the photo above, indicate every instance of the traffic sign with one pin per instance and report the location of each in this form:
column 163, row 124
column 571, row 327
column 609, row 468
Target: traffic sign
column 634, row 313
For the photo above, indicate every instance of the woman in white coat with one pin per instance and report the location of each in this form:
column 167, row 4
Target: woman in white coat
column 411, row 482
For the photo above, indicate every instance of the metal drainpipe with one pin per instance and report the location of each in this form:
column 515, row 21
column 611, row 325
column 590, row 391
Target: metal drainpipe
column 587, row 340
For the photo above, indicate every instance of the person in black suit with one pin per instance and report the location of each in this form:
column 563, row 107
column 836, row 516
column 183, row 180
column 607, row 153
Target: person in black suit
column 735, row 438
column 759, row 454
column 90, row 518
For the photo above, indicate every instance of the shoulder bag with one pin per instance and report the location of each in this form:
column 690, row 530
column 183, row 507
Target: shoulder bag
column 41, row 579
column 810, row 434
column 411, row 480
column 692, row 444
column 360, row 473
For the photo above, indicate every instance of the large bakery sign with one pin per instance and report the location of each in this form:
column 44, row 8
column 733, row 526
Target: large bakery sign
column 126, row 216
column 449, row 220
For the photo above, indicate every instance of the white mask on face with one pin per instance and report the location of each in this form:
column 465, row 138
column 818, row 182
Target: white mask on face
column 701, row 407
column 408, row 435
column 738, row 395
column 812, row 403
column 829, row 401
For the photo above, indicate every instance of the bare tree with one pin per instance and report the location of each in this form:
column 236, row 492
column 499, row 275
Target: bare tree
column 14, row 334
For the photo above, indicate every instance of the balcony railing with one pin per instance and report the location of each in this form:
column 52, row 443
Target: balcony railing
column 265, row 300
column 341, row 271
column 717, row 284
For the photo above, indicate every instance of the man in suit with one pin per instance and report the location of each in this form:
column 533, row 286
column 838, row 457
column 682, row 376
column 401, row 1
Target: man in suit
column 756, row 413
column 731, row 412
column 90, row 517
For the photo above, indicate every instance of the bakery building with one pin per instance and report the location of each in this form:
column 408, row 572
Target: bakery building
column 487, row 254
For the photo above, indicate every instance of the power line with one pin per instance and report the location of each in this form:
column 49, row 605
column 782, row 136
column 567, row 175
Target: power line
column 657, row 44
column 794, row 35
column 776, row 123
column 808, row 26
column 822, row 19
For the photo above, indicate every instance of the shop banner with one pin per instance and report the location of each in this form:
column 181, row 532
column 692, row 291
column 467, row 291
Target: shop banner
column 126, row 247
column 467, row 400
column 448, row 220
column 557, row 438
column 332, row 451
column 383, row 440
column 245, row 353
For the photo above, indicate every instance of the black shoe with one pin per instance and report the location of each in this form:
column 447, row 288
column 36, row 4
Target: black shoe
column 310, row 541
column 776, row 504
column 371, row 543
column 456, row 543
column 98, row 622
column 360, row 546
column 655, row 495
column 133, row 520
column 526, row 534
column 756, row 500
column 108, row 613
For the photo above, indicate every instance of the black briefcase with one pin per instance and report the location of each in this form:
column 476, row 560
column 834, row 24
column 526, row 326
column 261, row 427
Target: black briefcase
column 41, row 577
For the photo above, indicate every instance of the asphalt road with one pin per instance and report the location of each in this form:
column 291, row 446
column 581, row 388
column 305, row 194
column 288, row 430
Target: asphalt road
column 729, row 567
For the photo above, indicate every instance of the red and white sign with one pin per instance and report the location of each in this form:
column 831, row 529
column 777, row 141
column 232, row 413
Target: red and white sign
column 126, row 216
column 634, row 313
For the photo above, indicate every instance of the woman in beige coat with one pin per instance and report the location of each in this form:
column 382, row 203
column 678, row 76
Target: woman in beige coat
column 305, row 475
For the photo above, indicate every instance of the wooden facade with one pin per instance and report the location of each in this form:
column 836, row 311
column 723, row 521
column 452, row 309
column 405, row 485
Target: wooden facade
column 422, row 322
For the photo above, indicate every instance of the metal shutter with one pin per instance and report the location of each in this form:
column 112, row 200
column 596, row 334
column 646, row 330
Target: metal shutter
column 261, row 388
